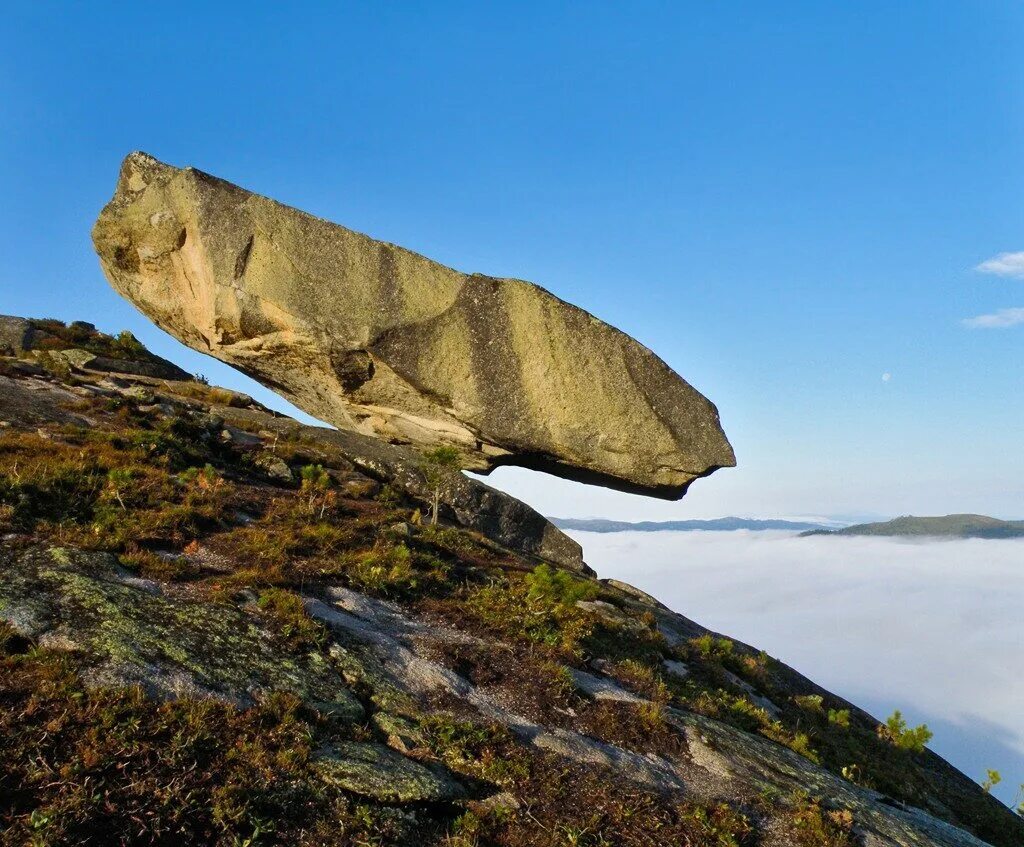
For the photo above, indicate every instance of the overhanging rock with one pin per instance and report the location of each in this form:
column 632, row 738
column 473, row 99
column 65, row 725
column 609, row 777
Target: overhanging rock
column 379, row 340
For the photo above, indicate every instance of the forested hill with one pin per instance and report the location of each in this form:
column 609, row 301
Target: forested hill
column 715, row 524
column 944, row 526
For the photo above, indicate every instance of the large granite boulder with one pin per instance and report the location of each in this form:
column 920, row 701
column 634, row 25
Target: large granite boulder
column 376, row 339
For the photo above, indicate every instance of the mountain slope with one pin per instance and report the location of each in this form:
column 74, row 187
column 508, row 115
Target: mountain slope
column 218, row 626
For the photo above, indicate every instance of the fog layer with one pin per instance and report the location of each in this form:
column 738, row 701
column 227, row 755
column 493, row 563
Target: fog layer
column 934, row 628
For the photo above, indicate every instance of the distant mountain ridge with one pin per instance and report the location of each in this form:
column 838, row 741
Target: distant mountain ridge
column 943, row 526
column 715, row 524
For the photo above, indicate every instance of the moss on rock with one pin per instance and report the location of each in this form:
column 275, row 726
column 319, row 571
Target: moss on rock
column 372, row 770
column 171, row 643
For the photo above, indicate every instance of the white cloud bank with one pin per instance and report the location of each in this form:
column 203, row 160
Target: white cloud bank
column 931, row 628
column 997, row 320
column 1005, row 264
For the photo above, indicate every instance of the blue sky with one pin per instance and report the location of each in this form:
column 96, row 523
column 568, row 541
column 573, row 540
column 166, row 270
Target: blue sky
column 785, row 201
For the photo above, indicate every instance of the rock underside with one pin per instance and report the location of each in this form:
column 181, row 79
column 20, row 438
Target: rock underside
column 194, row 642
column 378, row 340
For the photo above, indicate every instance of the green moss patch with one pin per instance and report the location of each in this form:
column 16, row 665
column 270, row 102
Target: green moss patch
column 171, row 643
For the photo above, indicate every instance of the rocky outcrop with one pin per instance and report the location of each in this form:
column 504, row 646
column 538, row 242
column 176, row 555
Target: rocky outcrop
column 80, row 345
column 375, row 339
column 34, row 399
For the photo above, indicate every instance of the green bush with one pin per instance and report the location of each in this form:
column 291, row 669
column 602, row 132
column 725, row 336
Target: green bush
column 896, row 730
column 316, row 485
column 540, row 607
column 558, row 587
column 809, row 702
column 385, row 569
column 206, row 478
column 712, row 649
column 812, row 825
column 839, row 717
column 288, row 617
column 438, row 467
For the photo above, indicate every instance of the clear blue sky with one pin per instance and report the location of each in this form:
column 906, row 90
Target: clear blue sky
column 786, row 201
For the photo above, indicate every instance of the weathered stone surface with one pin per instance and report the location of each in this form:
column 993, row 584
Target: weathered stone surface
column 153, row 367
column 372, row 770
column 720, row 757
column 31, row 401
column 374, row 338
column 15, row 335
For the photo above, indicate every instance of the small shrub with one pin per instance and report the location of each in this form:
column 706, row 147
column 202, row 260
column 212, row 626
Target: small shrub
column 814, row 826
column 992, row 779
column 448, row 538
column 642, row 678
column 809, row 702
column 287, row 615
column 559, row 680
column 127, row 346
column 897, row 732
column 801, row 743
column 839, row 717
column 755, row 667
column 712, row 649
column 118, row 482
column 720, row 825
column 558, row 587
column 389, row 496
column 316, row 485
column 473, row 748
column 539, row 607
column 206, row 479
column 385, row 569
column 652, row 716
column 438, row 467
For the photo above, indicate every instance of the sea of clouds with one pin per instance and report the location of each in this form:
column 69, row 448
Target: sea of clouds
column 933, row 628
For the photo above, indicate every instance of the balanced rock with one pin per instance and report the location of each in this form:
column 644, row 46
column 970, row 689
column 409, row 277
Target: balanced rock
column 373, row 338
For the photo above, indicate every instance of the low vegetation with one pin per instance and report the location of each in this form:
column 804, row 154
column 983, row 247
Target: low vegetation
column 812, row 825
column 80, row 764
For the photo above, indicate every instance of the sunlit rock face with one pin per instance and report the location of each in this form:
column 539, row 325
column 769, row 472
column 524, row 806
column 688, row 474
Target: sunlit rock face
column 376, row 339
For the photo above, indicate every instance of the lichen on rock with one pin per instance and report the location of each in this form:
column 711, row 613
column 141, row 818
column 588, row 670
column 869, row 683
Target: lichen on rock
column 170, row 644
column 372, row 770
